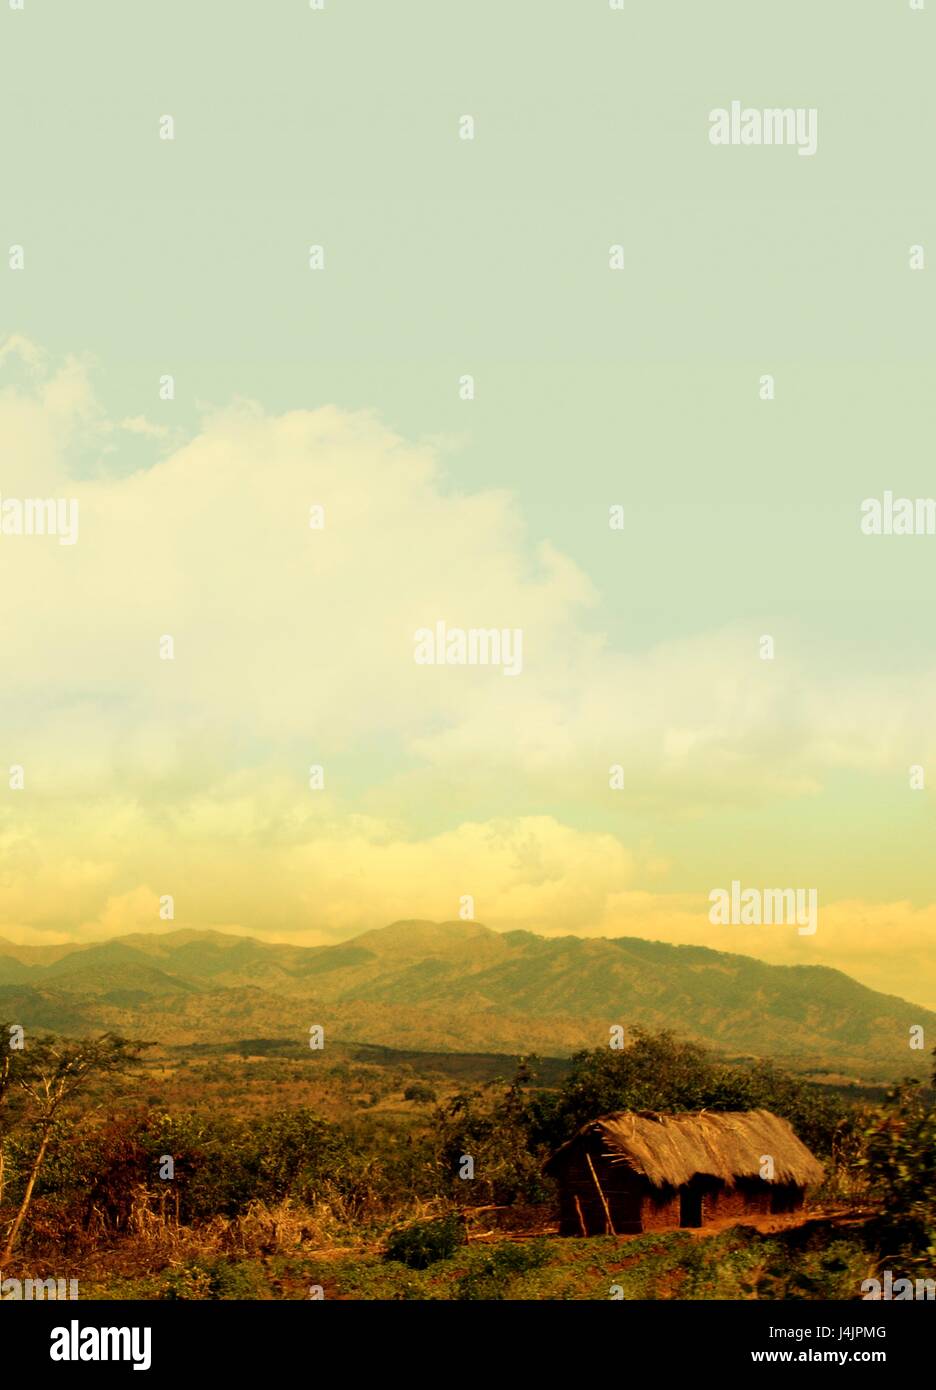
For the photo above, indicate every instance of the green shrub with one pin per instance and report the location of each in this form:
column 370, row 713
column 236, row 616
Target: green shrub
column 424, row 1242
column 419, row 1091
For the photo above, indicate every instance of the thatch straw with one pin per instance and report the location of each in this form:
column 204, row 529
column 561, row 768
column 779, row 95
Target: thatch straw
column 669, row 1150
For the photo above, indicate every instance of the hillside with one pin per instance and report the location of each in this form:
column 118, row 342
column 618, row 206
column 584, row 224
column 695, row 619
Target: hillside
column 460, row 986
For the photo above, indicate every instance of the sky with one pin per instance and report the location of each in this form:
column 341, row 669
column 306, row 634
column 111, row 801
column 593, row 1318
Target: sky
column 343, row 388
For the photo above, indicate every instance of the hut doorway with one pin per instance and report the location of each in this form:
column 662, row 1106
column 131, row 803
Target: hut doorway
column 786, row 1199
column 690, row 1205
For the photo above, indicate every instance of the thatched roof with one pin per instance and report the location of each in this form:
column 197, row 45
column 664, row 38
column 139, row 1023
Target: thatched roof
column 668, row 1150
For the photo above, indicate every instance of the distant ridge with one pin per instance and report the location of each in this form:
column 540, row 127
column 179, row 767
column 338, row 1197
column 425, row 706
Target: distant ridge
column 460, row 986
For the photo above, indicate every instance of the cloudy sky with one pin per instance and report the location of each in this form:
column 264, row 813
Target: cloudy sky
column 593, row 388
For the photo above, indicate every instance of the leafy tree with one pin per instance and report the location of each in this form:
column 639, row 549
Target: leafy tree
column 295, row 1152
column 494, row 1129
column 900, row 1159
column 657, row 1071
column 50, row 1073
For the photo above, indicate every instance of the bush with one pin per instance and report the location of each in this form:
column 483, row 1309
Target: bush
column 424, row 1242
column 417, row 1090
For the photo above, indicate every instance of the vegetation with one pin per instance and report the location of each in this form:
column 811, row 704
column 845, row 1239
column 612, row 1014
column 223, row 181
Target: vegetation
column 423, row 1242
column 421, row 981
column 38, row 1086
column 900, row 1160
column 257, row 1173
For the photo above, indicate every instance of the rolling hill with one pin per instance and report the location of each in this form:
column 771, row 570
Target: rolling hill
column 460, row 986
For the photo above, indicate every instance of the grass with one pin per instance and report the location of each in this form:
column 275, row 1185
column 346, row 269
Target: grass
column 740, row 1263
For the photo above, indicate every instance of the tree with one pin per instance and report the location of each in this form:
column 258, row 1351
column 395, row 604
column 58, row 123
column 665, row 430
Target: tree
column 51, row 1073
column 658, row 1071
column 900, row 1160
column 492, row 1127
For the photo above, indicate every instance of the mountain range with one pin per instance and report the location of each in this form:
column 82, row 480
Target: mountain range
column 460, row 986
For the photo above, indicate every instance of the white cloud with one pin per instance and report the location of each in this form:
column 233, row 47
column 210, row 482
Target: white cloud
column 295, row 646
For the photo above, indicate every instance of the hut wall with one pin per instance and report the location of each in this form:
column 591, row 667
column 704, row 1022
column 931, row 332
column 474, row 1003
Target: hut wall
column 749, row 1197
column 580, row 1202
column 660, row 1210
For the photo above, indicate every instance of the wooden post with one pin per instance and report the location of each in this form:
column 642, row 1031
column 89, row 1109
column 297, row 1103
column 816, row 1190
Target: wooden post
column 578, row 1208
column 604, row 1203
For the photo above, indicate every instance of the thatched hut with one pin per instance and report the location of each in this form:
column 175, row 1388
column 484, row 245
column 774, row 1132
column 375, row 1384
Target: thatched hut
column 631, row 1172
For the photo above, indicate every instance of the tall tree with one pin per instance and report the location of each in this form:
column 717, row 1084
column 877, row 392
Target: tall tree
column 52, row 1073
